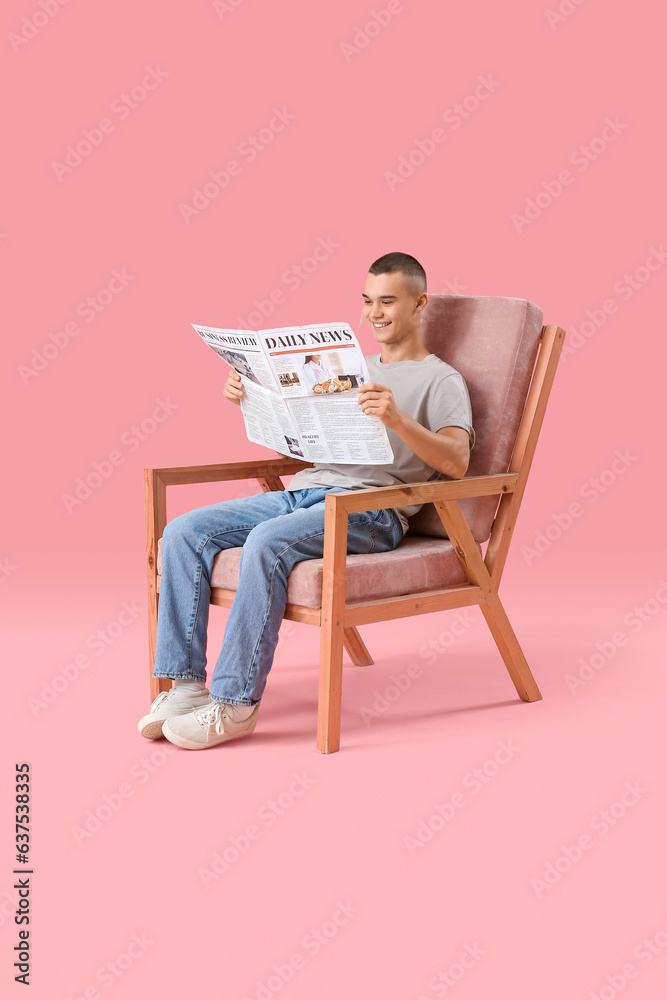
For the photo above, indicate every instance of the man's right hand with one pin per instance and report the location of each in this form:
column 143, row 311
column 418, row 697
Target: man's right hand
column 233, row 390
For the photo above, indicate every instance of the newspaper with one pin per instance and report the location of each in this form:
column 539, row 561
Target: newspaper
column 300, row 394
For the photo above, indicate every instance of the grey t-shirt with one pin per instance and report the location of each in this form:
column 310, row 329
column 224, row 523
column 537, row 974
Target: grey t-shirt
column 430, row 391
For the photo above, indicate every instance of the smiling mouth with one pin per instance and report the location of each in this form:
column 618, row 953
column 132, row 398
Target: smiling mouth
column 380, row 326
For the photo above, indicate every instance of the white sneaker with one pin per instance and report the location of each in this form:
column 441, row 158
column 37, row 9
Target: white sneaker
column 206, row 727
column 167, row 705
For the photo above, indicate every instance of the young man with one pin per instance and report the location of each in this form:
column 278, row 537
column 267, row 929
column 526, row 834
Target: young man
column 424, row 405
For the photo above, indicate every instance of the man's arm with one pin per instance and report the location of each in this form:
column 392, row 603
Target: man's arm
column 447, row 450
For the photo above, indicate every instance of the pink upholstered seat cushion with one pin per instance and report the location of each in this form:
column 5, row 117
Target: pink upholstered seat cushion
column 493, row 342
column 417, row 564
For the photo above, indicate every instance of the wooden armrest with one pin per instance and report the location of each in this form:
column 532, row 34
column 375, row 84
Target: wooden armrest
column 338, row 506
column 266, row 471
column 187, row 474
column 403, row 496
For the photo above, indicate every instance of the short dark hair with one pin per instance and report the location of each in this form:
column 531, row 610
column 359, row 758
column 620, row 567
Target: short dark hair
column 403, row 262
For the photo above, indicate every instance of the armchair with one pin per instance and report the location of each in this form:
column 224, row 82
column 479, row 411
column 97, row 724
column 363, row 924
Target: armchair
column 509, row 362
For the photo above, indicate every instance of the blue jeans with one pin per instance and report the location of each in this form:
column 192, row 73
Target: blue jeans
column 276, row 531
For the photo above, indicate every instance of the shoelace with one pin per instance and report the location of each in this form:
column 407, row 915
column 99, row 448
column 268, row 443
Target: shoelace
column 211, row 715
column 161, row 698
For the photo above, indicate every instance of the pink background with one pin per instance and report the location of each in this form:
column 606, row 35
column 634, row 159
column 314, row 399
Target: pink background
column 408, row 914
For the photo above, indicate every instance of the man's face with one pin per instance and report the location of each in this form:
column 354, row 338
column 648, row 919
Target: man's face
column 391, row 307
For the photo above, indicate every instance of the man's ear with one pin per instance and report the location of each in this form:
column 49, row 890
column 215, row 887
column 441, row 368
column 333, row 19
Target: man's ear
column 421, row 302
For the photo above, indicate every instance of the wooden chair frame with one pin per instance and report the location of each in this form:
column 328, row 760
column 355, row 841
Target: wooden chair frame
column 339, row 621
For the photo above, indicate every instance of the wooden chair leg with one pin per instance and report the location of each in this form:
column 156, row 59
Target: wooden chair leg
column 157, row 684
column 332, row 629
column 356, row 648
column 156, row 519
column 509, row 648
column 330, row 691
column 492, row 609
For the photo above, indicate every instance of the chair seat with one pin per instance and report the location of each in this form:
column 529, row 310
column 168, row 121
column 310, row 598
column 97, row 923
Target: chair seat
column 417, row 564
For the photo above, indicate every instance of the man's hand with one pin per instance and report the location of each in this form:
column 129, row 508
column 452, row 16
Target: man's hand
column 378, row 401
column 233, row 390
column 448, row 450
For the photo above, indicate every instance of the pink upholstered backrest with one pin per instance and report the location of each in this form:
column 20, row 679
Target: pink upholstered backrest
column 492, row 342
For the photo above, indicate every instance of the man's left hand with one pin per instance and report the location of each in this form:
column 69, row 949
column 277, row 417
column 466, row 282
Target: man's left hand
column 378, row 401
